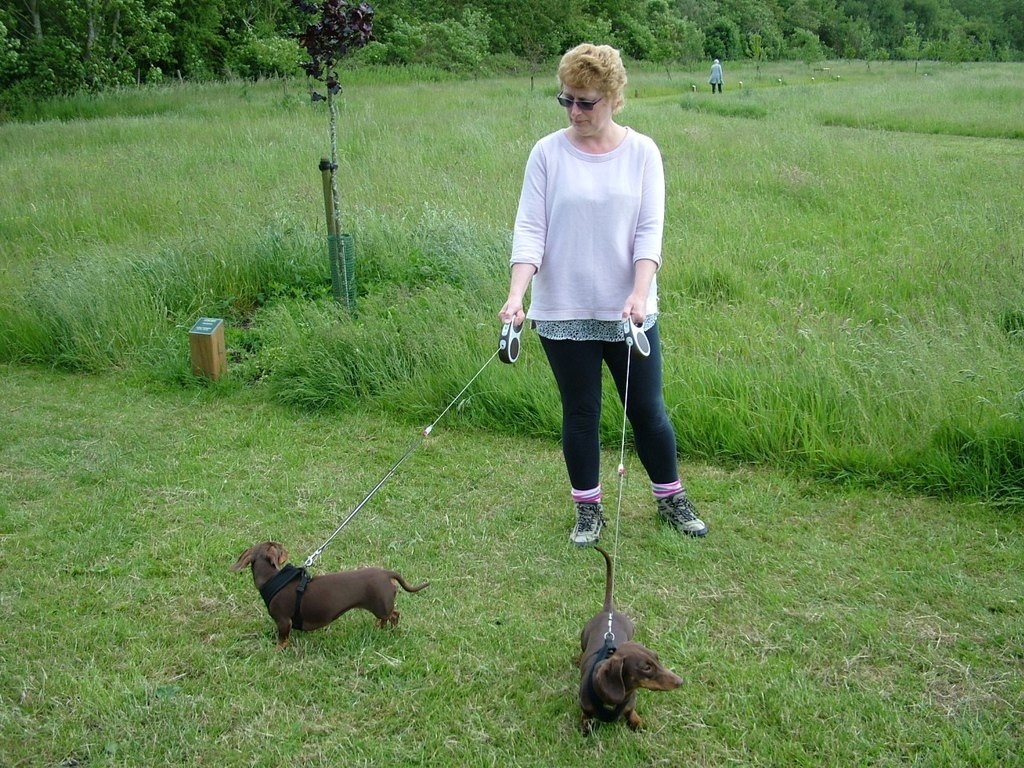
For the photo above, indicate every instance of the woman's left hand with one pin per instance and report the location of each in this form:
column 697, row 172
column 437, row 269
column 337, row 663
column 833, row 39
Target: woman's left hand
column 635, row 309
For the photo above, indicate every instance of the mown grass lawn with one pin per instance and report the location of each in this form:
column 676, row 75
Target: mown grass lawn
column 813, row 626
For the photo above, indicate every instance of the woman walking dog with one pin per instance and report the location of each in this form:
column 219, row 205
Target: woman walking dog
column 588, row 238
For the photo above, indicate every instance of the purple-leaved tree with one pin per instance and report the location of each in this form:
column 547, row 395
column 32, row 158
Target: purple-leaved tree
column 335, row 28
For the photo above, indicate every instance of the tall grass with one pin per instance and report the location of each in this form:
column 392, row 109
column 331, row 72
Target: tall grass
column 843, row 255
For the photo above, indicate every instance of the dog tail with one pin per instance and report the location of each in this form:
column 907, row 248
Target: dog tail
column 608, row 579
column 402, row 583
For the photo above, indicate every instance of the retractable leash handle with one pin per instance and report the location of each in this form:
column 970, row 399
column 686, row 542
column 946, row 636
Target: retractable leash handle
column 636, row 339
column 508, row 342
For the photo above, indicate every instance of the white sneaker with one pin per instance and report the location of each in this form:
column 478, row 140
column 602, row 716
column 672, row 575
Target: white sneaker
column 678, row 512
column 589, row 522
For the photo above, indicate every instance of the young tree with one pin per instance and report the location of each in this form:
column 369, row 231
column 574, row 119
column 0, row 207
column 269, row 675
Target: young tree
column 756, row 51
column 539, row 41
column 912, row 44
column 336, row 28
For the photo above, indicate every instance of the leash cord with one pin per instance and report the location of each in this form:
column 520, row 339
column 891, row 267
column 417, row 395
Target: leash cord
column 622, row 468
column 409, row 451
column 456, row 398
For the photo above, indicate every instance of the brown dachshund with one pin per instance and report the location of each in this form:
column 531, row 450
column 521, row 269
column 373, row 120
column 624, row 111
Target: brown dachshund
column 613, row 667
column 295, row 600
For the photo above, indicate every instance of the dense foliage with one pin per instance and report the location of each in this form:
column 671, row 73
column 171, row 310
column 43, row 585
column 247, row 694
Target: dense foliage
column 65, row 46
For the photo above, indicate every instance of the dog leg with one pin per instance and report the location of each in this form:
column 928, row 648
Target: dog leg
column 284, row 628
column 586, row 725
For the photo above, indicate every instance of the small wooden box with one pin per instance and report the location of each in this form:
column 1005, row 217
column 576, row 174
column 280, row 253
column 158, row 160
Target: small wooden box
column 206, row 340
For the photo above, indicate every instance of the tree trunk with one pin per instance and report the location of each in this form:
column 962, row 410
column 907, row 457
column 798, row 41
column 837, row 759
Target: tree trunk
column 37, row 22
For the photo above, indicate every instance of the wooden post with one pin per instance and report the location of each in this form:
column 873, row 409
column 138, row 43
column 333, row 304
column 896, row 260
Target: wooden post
column 206, row 340
column 334, row 255
column 326, row 166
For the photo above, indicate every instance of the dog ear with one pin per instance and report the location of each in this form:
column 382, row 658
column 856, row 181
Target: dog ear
column 277, row 553
column 244, row 559
column 609, row 681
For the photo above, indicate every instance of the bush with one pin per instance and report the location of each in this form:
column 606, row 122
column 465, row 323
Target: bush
column 805, row 46
column 458, row 46
column 260, row 57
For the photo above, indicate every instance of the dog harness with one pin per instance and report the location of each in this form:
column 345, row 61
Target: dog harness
column 605, row 713
column 284, row 577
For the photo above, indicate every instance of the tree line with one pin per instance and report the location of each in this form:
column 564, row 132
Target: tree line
column 64, row 46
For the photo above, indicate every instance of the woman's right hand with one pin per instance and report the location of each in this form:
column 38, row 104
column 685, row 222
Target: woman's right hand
column 512, row 312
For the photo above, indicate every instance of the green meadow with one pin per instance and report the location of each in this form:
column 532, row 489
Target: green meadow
column 842, row 314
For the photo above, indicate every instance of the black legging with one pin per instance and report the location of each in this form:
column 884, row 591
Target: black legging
column 577, row 366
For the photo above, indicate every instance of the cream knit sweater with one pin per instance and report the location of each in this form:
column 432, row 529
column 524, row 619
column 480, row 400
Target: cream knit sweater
column 583, row 220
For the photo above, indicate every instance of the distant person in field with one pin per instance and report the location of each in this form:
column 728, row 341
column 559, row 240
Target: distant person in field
column 716, row 76
column 588, row 236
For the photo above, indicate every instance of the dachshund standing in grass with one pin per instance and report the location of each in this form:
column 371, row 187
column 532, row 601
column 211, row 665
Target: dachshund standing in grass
column 613, row 667
column 296, row 600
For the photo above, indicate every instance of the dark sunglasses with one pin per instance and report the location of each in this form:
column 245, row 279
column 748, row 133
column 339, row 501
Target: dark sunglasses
column 566, row 102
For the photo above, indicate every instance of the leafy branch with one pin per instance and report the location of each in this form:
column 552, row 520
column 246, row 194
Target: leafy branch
column 337, row 28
